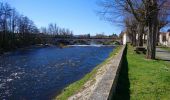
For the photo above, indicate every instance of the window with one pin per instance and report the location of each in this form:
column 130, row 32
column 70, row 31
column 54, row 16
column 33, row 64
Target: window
column 164, row 38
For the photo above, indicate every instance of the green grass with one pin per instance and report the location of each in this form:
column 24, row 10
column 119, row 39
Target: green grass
column 143, row 79
column 76, row 86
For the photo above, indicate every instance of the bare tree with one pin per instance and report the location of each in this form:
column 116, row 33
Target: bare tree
column 18, row 30
column 5, row 15
column 44, row 30
column 14, row 28
column 131, row 29
column 145, row 12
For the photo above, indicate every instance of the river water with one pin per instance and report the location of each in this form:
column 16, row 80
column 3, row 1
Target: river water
column 41, row 73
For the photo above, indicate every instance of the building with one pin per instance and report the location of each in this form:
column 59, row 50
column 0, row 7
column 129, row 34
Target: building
column 125, row 38
column 164, row 38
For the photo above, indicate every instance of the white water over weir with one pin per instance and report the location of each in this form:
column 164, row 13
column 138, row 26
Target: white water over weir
column 92, row 45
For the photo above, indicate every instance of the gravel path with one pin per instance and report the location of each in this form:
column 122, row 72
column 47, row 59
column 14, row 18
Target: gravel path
column 163, row 54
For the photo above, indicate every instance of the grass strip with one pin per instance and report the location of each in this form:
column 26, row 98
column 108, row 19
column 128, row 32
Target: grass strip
column 143, row 79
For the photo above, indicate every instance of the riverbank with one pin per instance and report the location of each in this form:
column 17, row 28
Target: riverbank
column 60, row 45
column 143, row 79
column 82, row 88
column 23, row 48
column 32, row 46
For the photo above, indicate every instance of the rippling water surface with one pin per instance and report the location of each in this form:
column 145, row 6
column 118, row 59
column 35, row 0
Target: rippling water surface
column 41, row 73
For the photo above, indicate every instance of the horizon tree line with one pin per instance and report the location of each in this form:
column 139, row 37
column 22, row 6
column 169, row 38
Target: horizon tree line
column 56, row 31
column 17, row 30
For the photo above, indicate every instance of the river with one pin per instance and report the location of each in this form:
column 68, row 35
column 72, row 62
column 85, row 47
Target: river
column 39, row 73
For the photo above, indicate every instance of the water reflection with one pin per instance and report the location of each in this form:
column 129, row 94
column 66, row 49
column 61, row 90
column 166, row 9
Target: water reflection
column 39, row 73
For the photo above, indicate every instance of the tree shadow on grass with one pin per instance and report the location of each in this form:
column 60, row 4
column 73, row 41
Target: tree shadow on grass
column 122, row 89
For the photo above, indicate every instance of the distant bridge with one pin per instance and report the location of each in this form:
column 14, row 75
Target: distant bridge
column 83, row 40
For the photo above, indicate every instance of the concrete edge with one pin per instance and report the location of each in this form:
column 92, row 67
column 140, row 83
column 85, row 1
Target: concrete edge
column 113, row 88
column 107, row 86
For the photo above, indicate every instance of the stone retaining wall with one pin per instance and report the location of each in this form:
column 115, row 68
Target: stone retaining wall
column 107, row 86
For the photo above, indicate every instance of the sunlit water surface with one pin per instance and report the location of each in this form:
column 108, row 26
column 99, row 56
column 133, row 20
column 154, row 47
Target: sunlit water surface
column 41, row 73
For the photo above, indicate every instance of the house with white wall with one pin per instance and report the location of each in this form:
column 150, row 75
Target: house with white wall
column 125, row 38
column 164, row 38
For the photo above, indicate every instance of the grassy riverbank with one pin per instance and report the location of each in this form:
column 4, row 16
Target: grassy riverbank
column 78, row 85
column 143, row 79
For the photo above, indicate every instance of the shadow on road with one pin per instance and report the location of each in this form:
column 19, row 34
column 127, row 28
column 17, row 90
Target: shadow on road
column 162, row 51
column 158, row 59
column 123, row 85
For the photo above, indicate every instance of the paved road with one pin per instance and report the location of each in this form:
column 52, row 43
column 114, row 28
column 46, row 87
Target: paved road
column 163, row 54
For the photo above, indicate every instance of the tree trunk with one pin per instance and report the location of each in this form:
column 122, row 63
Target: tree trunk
column 144, row 38
column 157, row 36
column 134, row 39
column 151, row 42
column 152, row 30
column 140, row 34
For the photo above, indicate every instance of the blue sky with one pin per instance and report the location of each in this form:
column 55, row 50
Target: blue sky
column 77, row 15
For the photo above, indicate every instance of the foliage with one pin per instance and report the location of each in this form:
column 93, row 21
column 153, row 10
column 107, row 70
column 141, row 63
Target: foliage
column 17, row 30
